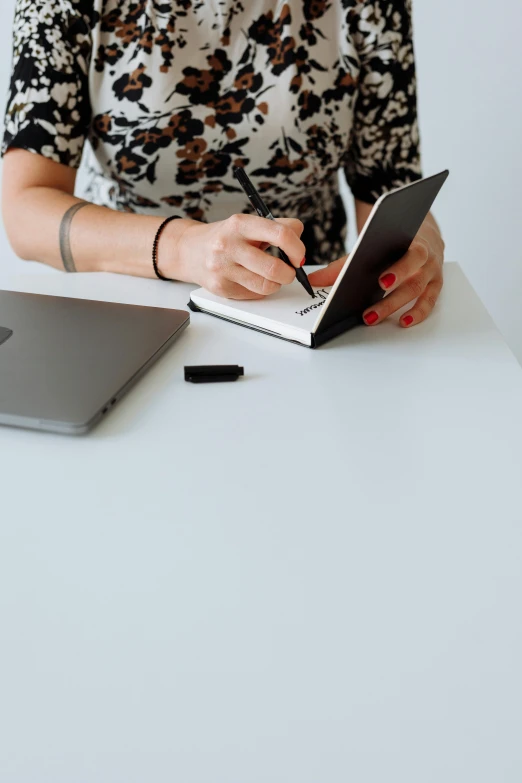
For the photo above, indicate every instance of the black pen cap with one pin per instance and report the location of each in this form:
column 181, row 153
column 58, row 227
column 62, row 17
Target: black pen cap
column 213, row 373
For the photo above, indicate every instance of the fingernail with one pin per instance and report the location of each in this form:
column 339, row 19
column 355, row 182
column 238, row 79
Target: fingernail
column 387, row 280
column 303, row 262
column 407, row 320
column 371, row 317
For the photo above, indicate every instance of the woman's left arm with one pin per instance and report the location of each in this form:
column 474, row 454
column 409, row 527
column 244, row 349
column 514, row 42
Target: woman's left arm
column 384, row 154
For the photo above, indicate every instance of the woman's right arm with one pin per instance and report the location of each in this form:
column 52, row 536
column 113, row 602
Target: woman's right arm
column 224, row 257
column 37, row 193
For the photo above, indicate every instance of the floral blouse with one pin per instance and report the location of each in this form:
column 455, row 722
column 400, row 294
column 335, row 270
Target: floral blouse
column 164, row 97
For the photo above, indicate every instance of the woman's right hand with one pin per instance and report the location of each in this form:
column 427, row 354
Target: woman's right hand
column 227, row 257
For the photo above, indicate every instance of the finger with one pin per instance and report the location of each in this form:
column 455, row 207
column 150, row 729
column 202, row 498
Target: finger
column 328, row 275
column 411, row 289
column 262, row 265
column 423, row 306
column 257, row 284
column 277, row 233
column 231, row 290
column 409, row 264
column 296, row 225
column 238, row 292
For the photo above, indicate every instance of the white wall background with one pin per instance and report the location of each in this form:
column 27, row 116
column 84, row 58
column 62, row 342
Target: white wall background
column 470, row 97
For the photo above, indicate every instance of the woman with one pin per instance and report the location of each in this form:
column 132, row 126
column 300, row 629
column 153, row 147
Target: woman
column 171, row 95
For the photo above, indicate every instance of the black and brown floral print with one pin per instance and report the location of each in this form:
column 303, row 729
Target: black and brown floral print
column 162, row 98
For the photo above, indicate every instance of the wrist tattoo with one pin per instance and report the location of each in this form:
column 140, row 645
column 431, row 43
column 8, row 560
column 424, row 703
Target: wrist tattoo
column 65, row 236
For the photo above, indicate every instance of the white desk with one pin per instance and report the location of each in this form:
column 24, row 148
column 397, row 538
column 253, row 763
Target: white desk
column 313, row 575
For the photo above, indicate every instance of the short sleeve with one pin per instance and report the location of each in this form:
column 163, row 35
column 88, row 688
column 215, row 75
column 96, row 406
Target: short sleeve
column 384, row 150
column 48, row 108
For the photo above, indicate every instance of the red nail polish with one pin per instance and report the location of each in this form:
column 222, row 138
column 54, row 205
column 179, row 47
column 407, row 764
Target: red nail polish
column 407, row 320
column 388, row 280
column 371, row 317
column 303, row 262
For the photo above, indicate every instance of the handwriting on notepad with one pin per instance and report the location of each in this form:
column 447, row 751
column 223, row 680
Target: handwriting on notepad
column 322, row 293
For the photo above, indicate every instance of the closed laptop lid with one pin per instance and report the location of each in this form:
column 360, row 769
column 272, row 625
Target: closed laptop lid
column 62, row 360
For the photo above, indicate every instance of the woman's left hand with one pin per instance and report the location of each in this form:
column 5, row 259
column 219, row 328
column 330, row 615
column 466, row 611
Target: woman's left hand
column 417, row 276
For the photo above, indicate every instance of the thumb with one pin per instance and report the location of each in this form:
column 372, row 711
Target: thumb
column 328, row 275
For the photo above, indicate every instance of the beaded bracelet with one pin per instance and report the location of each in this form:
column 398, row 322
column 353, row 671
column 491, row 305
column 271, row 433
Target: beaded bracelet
column 155, row 248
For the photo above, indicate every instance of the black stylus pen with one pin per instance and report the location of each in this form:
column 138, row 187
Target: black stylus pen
column 263, row 211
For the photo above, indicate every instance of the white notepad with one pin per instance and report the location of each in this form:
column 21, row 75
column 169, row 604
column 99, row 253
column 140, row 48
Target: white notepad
column 293, row 315
column 290, row 313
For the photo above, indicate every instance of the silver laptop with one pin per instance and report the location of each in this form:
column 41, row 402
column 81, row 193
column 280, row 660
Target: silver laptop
column 64, row 362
